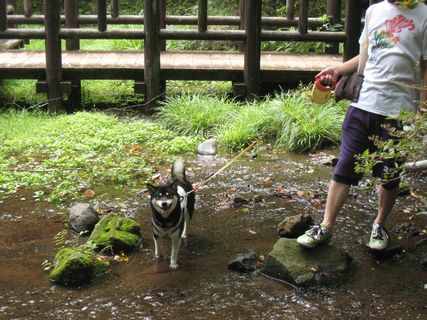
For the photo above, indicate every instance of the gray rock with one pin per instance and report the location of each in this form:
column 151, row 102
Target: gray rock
column 209, row 147
column 83, row 217
column 244, row 262
column 294, row 226
column 306, row 267
column 392, row 249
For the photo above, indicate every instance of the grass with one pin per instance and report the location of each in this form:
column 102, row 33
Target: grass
column 194, row 114
column 290, row 121
column 59, row 156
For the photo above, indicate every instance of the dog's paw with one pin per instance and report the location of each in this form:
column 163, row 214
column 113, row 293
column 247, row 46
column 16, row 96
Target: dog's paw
column 173, row 266
column 158, row 256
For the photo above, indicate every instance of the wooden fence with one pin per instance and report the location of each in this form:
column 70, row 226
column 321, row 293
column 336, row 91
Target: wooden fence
column 66, row 23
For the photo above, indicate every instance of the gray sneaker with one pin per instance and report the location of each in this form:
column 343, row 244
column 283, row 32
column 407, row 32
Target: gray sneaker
column 317, row 234
column 379, row 237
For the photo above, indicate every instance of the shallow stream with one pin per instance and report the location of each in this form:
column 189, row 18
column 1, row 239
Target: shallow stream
column 237, row 212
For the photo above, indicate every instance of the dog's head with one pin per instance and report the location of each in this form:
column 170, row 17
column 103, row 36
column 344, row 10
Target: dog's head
column 164, row 198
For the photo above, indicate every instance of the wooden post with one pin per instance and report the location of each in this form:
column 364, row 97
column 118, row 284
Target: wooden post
column 28, row 8
column 52, row 20
column 353, row 23
column 252, row 54
column 3, row 18
column 162, row 6
column 151, row 53
column 290, row 9
column 102, row 15
column 114, row 8
column 162, row 42
column 242, row 22
column 71, row 10
column 303, row 17
column 334, row 16
column 203, row 16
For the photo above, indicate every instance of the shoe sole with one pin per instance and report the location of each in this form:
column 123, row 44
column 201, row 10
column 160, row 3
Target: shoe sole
column 377, row 248
column 307, row 245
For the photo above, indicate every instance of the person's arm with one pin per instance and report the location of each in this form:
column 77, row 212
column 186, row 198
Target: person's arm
column 330, row 75
column 423, row 94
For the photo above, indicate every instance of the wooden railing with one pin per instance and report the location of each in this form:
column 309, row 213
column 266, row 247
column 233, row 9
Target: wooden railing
column 251, row 33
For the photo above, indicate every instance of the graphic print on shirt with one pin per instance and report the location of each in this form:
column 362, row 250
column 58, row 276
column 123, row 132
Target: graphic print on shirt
column 389, row 38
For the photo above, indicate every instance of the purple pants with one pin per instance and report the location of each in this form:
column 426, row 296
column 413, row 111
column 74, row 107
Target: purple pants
column 358, row 126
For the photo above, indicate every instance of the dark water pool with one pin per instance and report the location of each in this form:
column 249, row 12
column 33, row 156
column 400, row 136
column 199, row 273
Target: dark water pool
column 203, row 287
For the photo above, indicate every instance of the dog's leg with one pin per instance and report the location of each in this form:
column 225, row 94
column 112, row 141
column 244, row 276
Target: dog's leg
column 186, row 224
column 157, row 246
column 176, row 244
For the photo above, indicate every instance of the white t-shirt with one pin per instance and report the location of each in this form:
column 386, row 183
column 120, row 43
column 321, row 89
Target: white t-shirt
column 397, row 43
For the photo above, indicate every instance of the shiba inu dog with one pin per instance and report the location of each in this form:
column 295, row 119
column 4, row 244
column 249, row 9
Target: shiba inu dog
column 172, row 207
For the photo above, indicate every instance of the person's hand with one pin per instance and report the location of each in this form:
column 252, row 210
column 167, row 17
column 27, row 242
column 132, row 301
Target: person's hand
column 329, row 76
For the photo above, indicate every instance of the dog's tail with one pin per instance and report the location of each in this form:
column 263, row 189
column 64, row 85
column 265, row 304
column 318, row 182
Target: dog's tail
column 178, row 170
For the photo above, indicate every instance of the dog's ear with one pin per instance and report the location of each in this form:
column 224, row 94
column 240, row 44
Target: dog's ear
column 174, row 185
column 150, row 188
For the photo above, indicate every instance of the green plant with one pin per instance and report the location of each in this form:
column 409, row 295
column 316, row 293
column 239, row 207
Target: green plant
column 194, row 114
column 291, row 121
column 407, row 144
column 306, row 126
column 254, row 121
column 60, row 156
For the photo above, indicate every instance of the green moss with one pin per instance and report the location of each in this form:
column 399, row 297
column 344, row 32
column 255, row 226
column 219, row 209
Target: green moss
column 75, row 266
column 117, row 233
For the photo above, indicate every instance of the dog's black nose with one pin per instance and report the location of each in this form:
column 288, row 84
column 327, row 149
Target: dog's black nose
column 164, row 205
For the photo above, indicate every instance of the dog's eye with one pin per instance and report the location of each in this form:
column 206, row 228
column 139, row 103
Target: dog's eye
column 167, row 193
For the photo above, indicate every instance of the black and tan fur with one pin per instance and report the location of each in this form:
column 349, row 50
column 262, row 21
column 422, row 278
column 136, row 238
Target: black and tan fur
column 172, row 208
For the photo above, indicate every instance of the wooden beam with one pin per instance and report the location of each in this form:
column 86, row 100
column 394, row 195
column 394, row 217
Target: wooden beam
column 151, row 54
column 252, row 74
column 173, row 20
column 41, row 87
column 53, row 55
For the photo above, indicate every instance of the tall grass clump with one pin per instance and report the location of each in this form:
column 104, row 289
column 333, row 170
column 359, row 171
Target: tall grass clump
column 306, row 126
column 195, row 114
column 290, row 121
column 253, row 121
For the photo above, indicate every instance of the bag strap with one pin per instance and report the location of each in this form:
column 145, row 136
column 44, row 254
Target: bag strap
column 363, row 52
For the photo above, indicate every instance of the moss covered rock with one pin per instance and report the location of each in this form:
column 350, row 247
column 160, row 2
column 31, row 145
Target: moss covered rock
column 306, row 267
column 116, row 232
column 76, row 266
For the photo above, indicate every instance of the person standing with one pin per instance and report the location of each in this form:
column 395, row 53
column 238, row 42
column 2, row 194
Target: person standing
column 396, row 32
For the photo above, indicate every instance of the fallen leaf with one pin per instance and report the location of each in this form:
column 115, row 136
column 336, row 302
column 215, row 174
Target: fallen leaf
column 252, row 232
column 245, row 210
column 300, row 193
column 134, row 148
column 89, row 193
